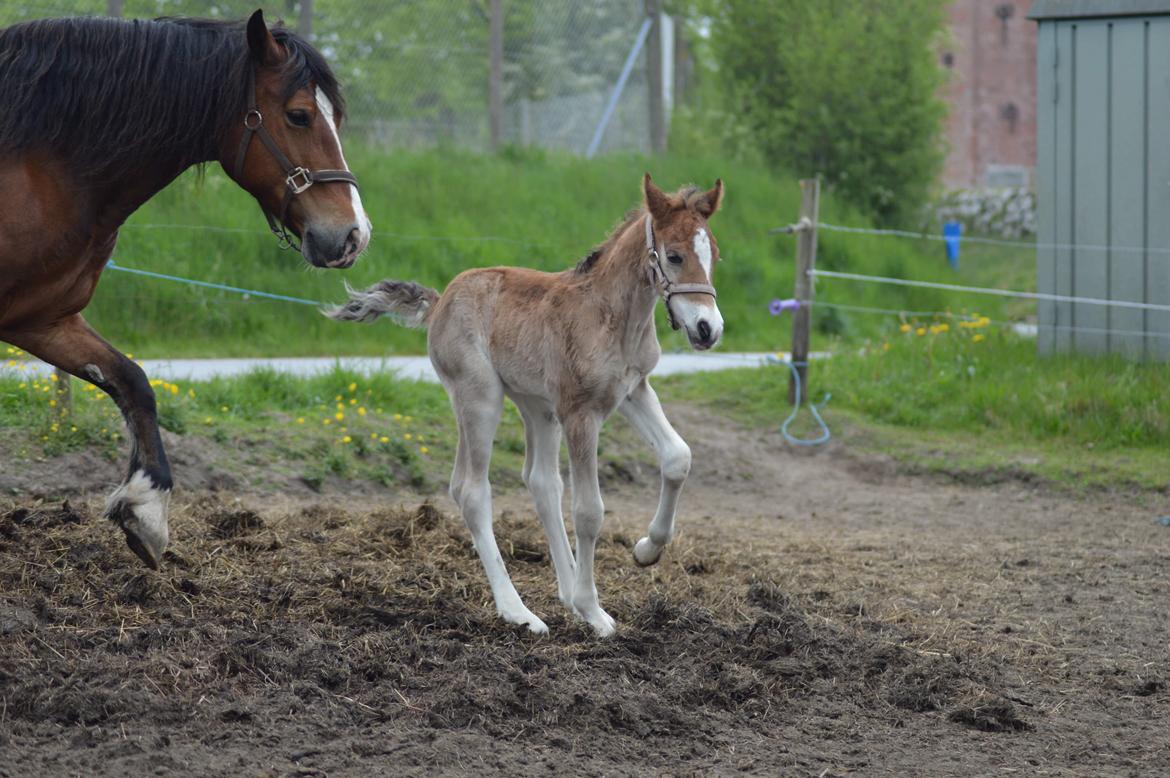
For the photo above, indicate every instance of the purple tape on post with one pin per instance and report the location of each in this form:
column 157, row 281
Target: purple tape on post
column 780, row 306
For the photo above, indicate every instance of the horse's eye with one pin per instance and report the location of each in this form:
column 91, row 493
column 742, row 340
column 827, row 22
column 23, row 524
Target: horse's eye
column 298, row 118
column 674, row 257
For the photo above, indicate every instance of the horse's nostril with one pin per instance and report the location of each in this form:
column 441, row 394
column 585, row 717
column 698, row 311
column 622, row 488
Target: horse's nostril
column 704, row 330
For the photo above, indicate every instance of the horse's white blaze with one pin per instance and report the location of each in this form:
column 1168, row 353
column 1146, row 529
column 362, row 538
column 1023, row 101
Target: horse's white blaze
column 355, row 197
column 703, row 251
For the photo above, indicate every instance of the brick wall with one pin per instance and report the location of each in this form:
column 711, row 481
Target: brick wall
column 991, row 60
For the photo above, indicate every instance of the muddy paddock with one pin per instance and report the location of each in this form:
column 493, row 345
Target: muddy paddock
column 823, row 614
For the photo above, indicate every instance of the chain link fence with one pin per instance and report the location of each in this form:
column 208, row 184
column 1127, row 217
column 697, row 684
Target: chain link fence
column 417, row 74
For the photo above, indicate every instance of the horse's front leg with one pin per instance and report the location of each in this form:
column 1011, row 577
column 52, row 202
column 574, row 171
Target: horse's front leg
column 581, row 431
column 140, row 504
column 644, row 411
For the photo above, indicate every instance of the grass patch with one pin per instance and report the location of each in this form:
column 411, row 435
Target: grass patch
column 438, row 213
column 970, row 401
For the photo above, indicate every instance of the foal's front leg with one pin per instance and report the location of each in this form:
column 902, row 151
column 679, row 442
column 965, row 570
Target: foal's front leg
column 140, row 504
column 674, row 459
column 581, row 431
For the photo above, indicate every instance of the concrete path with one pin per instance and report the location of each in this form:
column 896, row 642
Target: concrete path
column 414, row 367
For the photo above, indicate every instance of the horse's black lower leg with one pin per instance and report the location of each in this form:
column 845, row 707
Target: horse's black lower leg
column 139, row 505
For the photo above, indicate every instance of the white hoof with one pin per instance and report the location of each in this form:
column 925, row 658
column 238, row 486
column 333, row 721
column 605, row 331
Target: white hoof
column 593, row 615
column 140, row 509
column 646, row 553
column 527, row 618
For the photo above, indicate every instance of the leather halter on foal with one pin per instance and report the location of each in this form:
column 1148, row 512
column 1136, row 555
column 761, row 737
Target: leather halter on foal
column 297, row 178
column 661, row 283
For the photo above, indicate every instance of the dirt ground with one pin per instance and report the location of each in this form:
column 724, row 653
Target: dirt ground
column 821, row 613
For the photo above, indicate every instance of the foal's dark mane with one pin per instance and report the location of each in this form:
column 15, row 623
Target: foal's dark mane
column 684, row 197
column 110, row 97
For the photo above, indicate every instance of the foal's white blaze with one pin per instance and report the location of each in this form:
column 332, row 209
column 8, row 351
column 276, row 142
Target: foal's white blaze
column 703, row 251
column 355, row 198
column 689, row 310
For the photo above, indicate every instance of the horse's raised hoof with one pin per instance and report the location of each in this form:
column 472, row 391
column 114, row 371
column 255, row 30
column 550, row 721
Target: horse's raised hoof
column 645, row 553
column 140, row 509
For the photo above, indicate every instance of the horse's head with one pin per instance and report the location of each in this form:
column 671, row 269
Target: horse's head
column 287, row 152
column 687, row 256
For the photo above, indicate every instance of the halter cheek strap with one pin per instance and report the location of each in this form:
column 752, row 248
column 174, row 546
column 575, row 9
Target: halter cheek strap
column 297, row 178
column 663, row 285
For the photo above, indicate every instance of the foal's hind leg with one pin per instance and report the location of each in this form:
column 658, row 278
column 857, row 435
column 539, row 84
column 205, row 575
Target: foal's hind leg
column 581, row 431
column 140, row 504
column 477, row 409
column 674, row 459
column 542, row 476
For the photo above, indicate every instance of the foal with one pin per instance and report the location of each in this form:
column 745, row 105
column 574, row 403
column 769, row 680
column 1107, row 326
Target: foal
column 568, row 348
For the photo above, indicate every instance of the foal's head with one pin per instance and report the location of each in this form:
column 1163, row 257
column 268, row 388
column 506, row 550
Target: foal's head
column 680, row 225
column 298, row 104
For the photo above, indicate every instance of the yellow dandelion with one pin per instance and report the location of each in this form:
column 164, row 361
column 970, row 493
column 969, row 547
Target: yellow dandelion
column 339, row 416
column 223, row 409
column 383, row 439
column 361, row 411
column 52, row 403
column 920, row 331
column 905, row 328
column 398, row 417
column 53, row 378
column 978, row 337
column 424, row 450
column 337, row 399
column 353, row 401
column 326, row 422
column 347, row 439
column 407, row 436
column 300, row 420
column 353, row 387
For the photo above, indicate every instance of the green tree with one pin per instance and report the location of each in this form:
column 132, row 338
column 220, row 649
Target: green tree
column 843, row 88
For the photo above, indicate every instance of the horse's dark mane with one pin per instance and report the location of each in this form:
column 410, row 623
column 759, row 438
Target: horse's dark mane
column 687, row 196
column 108, row 96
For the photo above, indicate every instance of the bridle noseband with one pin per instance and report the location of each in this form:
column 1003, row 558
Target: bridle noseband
column 297, row 178
column 661, row 283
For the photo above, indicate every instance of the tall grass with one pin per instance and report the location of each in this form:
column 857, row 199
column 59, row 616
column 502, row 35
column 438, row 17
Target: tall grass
column 440, row 212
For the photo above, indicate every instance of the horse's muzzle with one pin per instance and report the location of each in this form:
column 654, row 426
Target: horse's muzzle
column 336, row 249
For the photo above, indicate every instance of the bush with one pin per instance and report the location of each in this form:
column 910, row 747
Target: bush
column 841, row 88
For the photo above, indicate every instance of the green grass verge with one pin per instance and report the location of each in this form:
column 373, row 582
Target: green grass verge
column 973, row 403
column 970, row 402
column 438, row 213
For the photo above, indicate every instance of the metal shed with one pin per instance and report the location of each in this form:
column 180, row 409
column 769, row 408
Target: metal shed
column 1103, row 174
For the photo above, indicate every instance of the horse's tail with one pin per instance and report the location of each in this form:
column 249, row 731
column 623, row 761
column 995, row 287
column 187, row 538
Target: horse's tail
column 408, row 303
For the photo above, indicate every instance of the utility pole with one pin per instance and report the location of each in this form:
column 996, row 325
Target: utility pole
column 305, row 19
column 654, row 81
column 496, row 75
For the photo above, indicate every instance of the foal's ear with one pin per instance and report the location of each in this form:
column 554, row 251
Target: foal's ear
column 263, row 46
column 657, row 201
column 709, row 203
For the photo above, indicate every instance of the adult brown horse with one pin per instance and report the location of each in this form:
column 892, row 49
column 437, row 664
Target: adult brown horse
column 98, row 116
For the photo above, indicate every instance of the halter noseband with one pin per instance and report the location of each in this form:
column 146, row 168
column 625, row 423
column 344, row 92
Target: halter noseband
column 662, row 284
column 297, row 178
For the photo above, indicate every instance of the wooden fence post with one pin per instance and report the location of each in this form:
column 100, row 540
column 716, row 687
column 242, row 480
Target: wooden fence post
column 64, row 392
column 305, row 19
column 806, row 260
column 496, row 75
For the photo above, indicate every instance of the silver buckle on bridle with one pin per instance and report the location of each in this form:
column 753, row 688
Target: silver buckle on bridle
column 299, row 173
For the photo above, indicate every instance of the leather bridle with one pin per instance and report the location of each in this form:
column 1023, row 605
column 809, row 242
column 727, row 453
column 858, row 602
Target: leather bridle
column 661, row 283
column 297, row 178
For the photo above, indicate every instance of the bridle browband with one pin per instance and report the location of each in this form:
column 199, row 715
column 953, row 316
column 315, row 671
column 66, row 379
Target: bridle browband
column 661, row 283
column 297, row 178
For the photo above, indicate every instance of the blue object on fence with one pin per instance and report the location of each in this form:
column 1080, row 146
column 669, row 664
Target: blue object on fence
column 825, row 435
column 1163, row 520
column 777, row 307
column 952, row 235
column 209, row 285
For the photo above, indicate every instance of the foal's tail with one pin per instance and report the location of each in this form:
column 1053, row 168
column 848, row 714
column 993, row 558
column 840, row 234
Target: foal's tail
column 409, row 303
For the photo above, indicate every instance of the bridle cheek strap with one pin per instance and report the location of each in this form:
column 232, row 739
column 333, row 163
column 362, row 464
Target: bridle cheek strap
column 297, row 178
column 663, row 285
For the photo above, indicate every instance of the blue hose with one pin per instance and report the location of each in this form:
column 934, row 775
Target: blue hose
column 825, row 435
